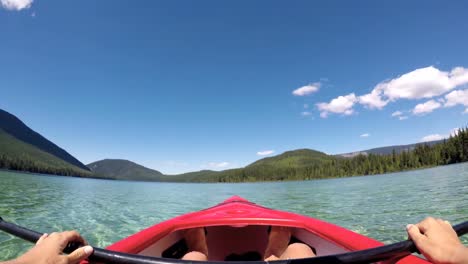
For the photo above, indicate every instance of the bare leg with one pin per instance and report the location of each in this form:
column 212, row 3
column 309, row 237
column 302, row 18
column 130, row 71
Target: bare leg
column 196, row 243
column 297, row 250
column 278, row 247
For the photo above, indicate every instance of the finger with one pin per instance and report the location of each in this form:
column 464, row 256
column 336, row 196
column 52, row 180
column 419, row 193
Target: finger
column 80, row 254
column 426, row 224
column 415, row 234
column 41, row 238
column 70, row 236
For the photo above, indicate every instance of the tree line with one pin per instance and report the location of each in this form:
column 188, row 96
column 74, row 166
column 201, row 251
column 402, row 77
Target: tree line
column 450, row 151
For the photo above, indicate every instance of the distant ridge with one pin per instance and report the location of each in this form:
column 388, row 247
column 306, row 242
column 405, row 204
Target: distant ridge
column 16, row 128
column 120, row 169
column 389, row 149
column 306, row 164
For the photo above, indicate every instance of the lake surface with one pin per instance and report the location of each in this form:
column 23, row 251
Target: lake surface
column 106, row 211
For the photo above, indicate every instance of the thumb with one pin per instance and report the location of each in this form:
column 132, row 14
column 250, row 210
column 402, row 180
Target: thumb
column 80, row 254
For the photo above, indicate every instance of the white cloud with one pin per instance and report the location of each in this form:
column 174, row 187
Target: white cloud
column 459, row 76
column 456, row 97
column 306, row 90
column 426, row 107
column 340, row 105
column 16, row 4
column 306, row 106
column 265, row 152
column 402, row 118
column 466, row 111
column 397, row 113
column 216, row 165
column 365, row 135
column 420, row 83
column 373, row 99
column 432, row 137
column 454, row 131
column 306, row 113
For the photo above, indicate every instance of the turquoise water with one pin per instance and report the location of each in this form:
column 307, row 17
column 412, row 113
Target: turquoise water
column 106, row 211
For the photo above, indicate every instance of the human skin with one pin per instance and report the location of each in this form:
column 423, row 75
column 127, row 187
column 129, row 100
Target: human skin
column 438, row 242
column 48, row 250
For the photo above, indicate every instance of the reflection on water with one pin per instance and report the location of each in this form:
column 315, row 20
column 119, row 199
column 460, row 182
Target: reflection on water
column 106, row 211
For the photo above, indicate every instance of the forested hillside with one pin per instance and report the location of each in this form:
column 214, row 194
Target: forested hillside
column 118, row 169
column 16, row 128
column 309, row 164
column 21, row 156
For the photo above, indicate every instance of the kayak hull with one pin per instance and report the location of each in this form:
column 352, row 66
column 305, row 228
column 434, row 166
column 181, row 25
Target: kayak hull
column 238, row 225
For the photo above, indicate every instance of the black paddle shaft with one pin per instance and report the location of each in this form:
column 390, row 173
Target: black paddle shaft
column 392, row 251
column 31, row 236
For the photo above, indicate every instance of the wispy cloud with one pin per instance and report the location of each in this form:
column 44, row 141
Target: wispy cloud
column 365, row 135
column 306, row 113
column 458, row 97
column 399, row 115
column 433, row 137
column 16, row 4
column 216, row 165
column 428, row 82
column 426, row 107
column 306, row 90
column 340, row 105
column 265, row 152
column 373, row 100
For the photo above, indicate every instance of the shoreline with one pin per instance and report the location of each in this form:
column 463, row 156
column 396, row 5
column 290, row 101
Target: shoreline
column 215, row 182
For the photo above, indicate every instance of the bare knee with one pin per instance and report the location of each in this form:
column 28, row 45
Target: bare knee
column 297, row 250
column 195, row 256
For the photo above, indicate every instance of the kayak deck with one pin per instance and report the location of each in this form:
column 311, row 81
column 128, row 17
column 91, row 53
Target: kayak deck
column 237, row 226
column 225, row 242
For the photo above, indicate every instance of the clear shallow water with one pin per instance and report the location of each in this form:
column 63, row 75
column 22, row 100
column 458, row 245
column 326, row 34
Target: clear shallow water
column 106, row 211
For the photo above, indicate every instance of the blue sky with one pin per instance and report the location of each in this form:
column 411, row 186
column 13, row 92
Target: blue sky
column 187, row 85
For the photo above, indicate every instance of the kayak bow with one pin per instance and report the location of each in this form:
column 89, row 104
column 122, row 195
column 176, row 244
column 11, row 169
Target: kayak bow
column 238, row 226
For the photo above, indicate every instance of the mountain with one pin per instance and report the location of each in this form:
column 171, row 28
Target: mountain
column 294, row 158
column 18, row 155
column 119, row 169
column 389, row 149
column 306, row 164
column 270, row 168
column 15, row 127
column 286, row 166
column 196, row 176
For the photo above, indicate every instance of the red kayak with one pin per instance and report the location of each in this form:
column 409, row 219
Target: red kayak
column 237, row 226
